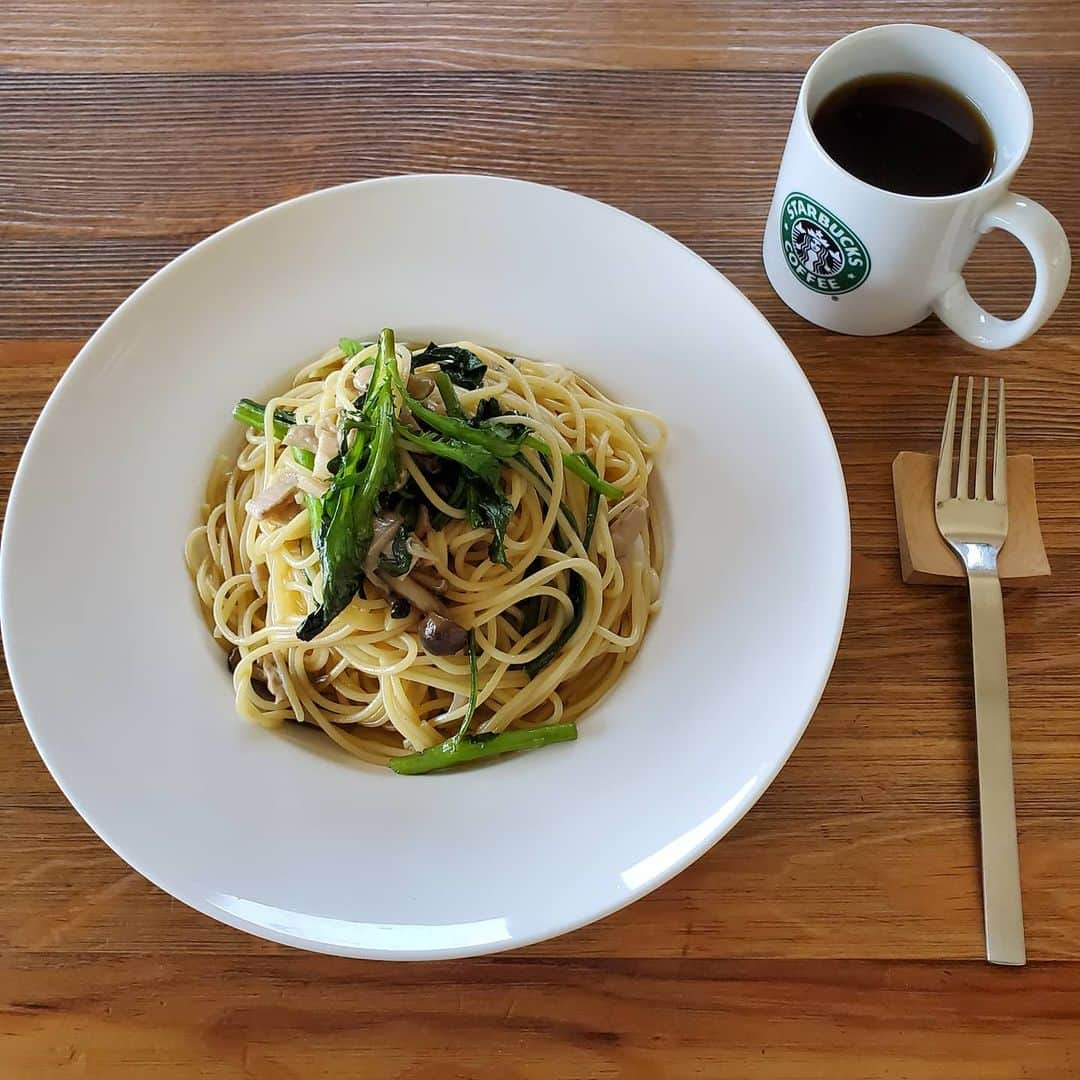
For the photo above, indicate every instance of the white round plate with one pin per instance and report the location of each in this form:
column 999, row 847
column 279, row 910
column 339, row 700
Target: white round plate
column 129, row 701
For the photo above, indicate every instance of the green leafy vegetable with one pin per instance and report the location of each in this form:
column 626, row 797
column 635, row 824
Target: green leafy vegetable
column 453, row 427
column 479, row 495
column 458, row 751
column 252, row 413
column 474, row 458
column 576, row 592
column 488, row 508
column 464, row 367
column 580, row 465
column 593, row 506
column 397, row 559
column 476, row 489
column 474, row 687
column 576, row 463
column 454, row 494
column 576, row 589
column 449, row 396
column 487, row 409
column 350, row 346
column 491, row 418
column 505, row 440
column 314, row 513
column 507, row 429
column 530, row 606
column 349, row 507
column 463, row 747
column 546, row 493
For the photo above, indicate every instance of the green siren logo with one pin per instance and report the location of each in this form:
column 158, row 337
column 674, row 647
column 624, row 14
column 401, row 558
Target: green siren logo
column 820, row 250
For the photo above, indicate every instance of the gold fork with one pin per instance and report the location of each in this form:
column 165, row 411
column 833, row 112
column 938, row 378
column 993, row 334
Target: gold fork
column 975, row 528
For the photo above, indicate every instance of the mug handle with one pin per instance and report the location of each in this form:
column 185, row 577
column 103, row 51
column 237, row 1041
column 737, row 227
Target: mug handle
column 1039, row 231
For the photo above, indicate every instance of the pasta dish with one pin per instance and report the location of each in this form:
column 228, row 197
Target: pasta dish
column 433, row 554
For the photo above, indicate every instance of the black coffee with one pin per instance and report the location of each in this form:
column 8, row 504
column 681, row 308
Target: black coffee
column 906, row 133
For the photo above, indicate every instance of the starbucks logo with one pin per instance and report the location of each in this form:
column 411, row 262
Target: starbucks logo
column 817, row 250
column 820, row 250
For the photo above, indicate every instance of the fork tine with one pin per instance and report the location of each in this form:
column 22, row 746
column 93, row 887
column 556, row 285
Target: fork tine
column 963, row 475
column 944, row 469
column 980, row 463
column 1001, row 491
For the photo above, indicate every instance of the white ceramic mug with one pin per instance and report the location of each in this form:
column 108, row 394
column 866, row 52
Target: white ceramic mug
column 860, row 260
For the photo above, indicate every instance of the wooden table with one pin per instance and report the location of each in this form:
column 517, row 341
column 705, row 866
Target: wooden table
column 836, row 932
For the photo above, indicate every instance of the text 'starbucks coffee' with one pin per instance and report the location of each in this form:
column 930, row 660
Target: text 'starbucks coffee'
column 901, row 152
column 820, row 249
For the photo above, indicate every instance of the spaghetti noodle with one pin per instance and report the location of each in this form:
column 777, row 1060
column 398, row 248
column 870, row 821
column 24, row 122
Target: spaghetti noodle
column 491, row 599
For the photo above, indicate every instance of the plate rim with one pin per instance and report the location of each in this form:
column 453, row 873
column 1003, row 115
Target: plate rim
column 734, row 812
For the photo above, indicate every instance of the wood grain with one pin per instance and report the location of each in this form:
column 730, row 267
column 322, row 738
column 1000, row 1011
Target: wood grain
column 342, row 35
column 286, row 1017
column 836, row 932
column 162, row 161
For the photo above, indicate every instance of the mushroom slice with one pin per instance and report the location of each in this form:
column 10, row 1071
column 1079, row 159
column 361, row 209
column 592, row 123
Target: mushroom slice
column 627, row 527
column 442, row 637
column 362, row 377
column 414, row 592
column 274, row 496
column 327, row 446
column 386, row 527
column 303, row 436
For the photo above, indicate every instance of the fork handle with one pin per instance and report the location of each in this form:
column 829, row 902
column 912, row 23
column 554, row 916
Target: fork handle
column 997, row 808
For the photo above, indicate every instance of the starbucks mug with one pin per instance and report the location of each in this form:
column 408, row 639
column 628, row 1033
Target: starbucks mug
column 860, row 260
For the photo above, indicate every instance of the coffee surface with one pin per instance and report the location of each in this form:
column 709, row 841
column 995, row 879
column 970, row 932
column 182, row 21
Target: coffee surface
column 906, row 133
